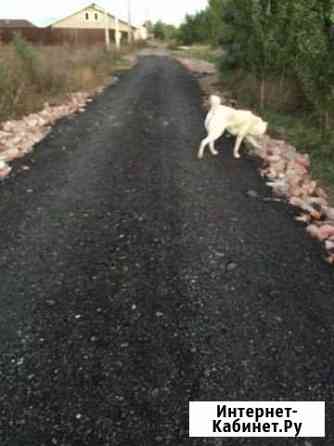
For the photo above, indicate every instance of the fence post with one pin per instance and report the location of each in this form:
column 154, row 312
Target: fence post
column 106, row 30
column 130, row 36
column 117, row 34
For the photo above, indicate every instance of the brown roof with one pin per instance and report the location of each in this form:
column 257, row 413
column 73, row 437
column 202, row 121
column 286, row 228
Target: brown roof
column 13, row 23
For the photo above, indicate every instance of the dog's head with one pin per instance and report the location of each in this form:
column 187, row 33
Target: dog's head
column 215, row 100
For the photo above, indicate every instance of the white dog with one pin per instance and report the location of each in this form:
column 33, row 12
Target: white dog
column 241, row 123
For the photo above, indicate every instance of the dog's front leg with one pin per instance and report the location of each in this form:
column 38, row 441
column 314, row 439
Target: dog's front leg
column 237, row 146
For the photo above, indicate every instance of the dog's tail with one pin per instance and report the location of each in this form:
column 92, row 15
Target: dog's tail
column 215, row 100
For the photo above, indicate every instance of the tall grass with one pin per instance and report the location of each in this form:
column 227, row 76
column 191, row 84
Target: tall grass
column 290, row 117
column 31, row 76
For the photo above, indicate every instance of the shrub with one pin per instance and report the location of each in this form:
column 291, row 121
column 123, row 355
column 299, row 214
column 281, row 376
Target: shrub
column 31, row 76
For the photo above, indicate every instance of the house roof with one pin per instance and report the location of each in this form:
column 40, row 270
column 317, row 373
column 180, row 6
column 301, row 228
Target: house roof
column 14, row 23
column 91, row 6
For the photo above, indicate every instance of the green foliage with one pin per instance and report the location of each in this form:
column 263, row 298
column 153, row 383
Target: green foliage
column 285, row 39
column 215, row 13
column 163, row 31
column 314, row 64
column 196, row 28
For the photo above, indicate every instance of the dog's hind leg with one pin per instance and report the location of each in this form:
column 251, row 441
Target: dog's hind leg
column 212, row 148
column 204, row 143
column 208, row 140
column 213, row 137
column 237, row 146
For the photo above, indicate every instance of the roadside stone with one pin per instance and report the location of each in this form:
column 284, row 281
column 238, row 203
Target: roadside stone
column 17, row 137
column 155, row 393
column 252, row 194
column 231, row 266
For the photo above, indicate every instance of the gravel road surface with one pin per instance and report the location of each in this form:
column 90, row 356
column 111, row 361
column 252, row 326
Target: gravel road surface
column 134, row 278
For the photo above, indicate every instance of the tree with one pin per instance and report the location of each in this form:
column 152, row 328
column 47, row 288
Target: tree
column 195, row 29
column 284, row 38
column 273, row 38
column 314, row 60
column 216, row 20
column 164, row 31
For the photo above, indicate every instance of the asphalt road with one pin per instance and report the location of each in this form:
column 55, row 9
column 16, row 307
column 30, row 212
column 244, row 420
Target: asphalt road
column 134, row 278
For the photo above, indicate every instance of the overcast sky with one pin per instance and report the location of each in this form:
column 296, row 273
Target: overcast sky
column 43, row 12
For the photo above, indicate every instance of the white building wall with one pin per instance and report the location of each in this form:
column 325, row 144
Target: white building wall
column 141, row 33
column 90, row 18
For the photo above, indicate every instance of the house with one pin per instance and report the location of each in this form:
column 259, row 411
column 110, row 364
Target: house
column 93, row 17
column 14, row 23
column 141, row 33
